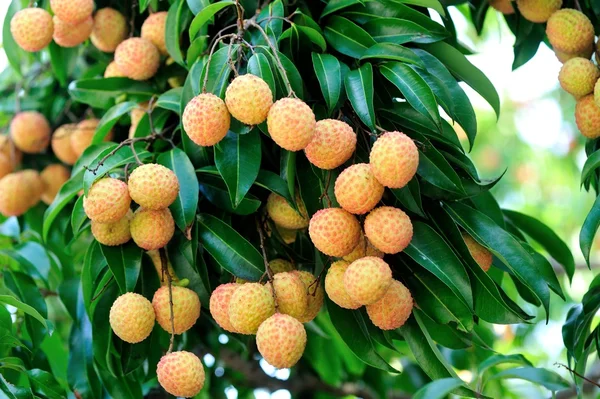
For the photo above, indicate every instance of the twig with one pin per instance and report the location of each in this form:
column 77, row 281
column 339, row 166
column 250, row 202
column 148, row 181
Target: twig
column 134, row 4
column 208, row 61
column 325, row 193
column 240, row 17
column 230, row 60
column 577, row 374
column 165, row 270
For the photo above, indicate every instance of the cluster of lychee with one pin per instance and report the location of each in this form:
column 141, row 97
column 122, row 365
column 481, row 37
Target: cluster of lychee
column 153, row 187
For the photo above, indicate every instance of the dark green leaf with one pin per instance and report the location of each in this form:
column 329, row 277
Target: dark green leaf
column 110, row 118
column 438, row 389
column 125, row 262
column 259, row 65
column 391, row 51
column 44, row 383
column 102, row 93
column 329, row 74
column 205, row 15
column 589, row 229
column 171, row 100
column 359, row 88
column 400, row 31
column 173, row 30
column 347, row 37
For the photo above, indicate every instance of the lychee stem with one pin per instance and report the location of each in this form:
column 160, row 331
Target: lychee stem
column 165, row 271
column 268, row 270
column 212, row 51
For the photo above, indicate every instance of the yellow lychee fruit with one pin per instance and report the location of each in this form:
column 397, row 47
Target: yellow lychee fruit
column 53, row 176
column 538, row 11
column 72, row 11
column 5, row 166
column 181, row 374
column 61, row 143
column 578, row 77
column 206, row 119
column 280, row 266
column 33, row 180
column 8, row 149
column 83, row 135
column 114, row 233
column 186, row 308
column 13, row 192
column 564, row 57
column 67, row 35
column 219, row 305
column 334, row 231
column 157, row 262
column 587, row 117
column 366, row 280
column 287, row 235
column 32, row 28
column 250, row 305
column 333, row 143
column 504, row 6
column 481, row 254
column 357, row 190
column 281, row 340
column 112, row 71
column 314, row 295
column 152, row 229
column 136, row 116
column 291, row 124
column 335, row 288
column 153, row 29
column 394, row 159
column 153, row 186
column 137, row 58
column 107, row 200
column 290, row 294
column 362, row 249
column 570, row 31
column 110, row 29
column 131, row 317
column 30, row 132
column 249, row 99
column 389, row 229
column 284, row 215
column 393, row 309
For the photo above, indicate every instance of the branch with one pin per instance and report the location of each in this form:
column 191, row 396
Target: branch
column 590, row 382
column 165, row 270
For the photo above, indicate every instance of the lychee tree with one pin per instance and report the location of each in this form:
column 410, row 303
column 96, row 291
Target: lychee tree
column 289, row 170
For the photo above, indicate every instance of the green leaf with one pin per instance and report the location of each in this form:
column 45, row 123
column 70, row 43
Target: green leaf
column 495, row 360
column 171, row 100
column 66, row 193
column 273, row 183
column 13, row 52
column 539, row 376
column 313, row 35
column 287, row 171
column 218, row 71
column 591, row 164
column 205, row 15
column 62, row 61
column 329, row 74
column 110, row 119
column 347, row 37
column 391, row 51
column 173, row 29
column 400, row 31
column 433, row 4
column 44, row 383
column 336, row 5
column 438, row 389
column 214, row 189
column 589, row 229
column 12, row 301
column 258, row 65
column 102, row 93
column 124, row 262
column 359, row 87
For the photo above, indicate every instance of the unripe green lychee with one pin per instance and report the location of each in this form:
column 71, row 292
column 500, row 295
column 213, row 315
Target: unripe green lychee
column 334, row 231
column 112, row 71
column 33, row 180
column 393, row 309
column 394, row 159
column 291, row 124
column 280, row 266
column 8, row 149
column 67, row 35
column 284, row 215
column 157, row 262
column 206, row 119
column 5, row 166
column 481, row 254
column 107, row 200
column 72, row 11
column 290, row 294
column 570, row 31
column 335, row 288
column 153, row 29
column 137, row 58
column 366, row 280
column 314, row 294
column 250, row 305
column 53, row 176
column 333, row 144
column 362, row 249
column 504, row 6
column 389, row 229
column 82, row 137
column 219, row 305
column 115, row 233
column 32, row 28
column 153, row 186
column 538, row 11
column 587, row 117
column 132, row 317
column 578, row 77
column 152, row 229
column 13, row 192
column 249, row 99
column 110, row 29
column 281, row 340
column 30, row 132
column 357, row 190
column 181, row 374
column 61, row 143
column 186, row 308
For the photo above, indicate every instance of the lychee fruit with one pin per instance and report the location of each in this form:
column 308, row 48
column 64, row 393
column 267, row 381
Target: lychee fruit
column 206, row 119
column 393, row 309
column 291, row 124
column 284, row 215
column 32, row 28
column 114, row 233
column 110, row 29
column 564, row 57
column 8, row 149
column 389, row 229
column 152, row 229
column 281, row 340
column 290, row 294
column 13, row 195
column 5, row 166
column 288, row 236
column 281, row 266
column 335, row 288
column 136, row 117
column 578, row 77
column 250, row 305
column 33, row 180
column 314, row 295
column 219, row 305
column 153, row 186
column 137, row 58
column 394, row 159
column 366, row 280
column 67, row 35
column 333, row 143
column 53, row 176
column 334, row 231
column 570, row 31
column 82, row 137
column 107, row 200
column 504, row 6
column 153, row 29
column 186, row 308
column 538, row 11
column 181, row 374
column 157, row 262
column 587, row 117
column 30, row 132
column 61, row 143
column 362, row 249
column 72, row 11
column 482, row 256
column 249, row 99
column 357, row 190
column 132, row 317
column 112, row 71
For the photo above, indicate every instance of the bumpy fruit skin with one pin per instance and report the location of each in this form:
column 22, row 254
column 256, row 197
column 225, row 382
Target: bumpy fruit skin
column 33, row 180
column 72, row 11
column 538, row 11
column 132, row 317
column 291, row 124
column 314, row 295
column 578, row 77
column 112, row 71
column 394, row 159
column 113, row 234
column 357, row 190
column 504, row 6
column 181, row 374
column 53, row 176
column 157, row 262
column 206, row 119
column 13, row 190
column 30, row 132
column 249, row 99
column 82, row 137
column 5, row 166
column 290, row 294
column 137, row 58
column 219, row 305
column 250, row 305
column 334, row 231
column 280, row 266
column 152, row 229
column 587, row 117
column 153, row 186
column 367, row 279
column 284, row 215
column 482, row 256
column 67, row 35
column 362, row 249
column 61, row 143
column 153, row 29
column 281, row 340
column 32, row 29
column 110, row 29
column 564, row 57
column 107, row 201
column 186, row 308
column 335, row 288
column 333, row 143
column 389, row 229
column 570, row 31
column 392, row 311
